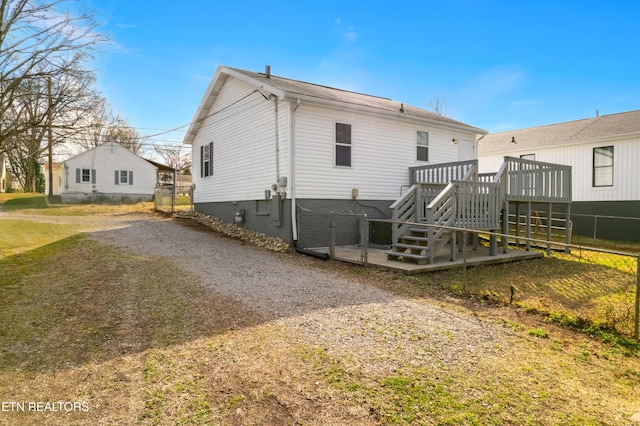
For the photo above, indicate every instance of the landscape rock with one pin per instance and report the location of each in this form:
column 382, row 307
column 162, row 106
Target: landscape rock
column 232, row 230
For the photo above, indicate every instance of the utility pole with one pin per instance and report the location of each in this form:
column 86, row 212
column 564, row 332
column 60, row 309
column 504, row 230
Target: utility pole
column 50, row 136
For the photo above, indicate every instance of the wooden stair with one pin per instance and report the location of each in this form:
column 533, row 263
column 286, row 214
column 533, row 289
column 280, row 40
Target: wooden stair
column 414, row 247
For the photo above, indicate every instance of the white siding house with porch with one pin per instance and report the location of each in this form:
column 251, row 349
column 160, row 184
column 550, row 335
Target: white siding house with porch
column 110, row 172
column 603, row 152
column 266, row 149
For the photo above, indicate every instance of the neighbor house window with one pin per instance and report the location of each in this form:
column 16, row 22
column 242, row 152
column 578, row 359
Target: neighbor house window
column 206, row 160
column 343, row 144
column 531, row 157
column 423, row 146
column 603, row 166
column 123, row 177
column 85, row 176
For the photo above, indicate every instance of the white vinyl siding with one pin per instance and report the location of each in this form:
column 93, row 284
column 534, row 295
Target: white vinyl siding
column 382, row 152
column 105, row 163
column 626, row 177
column 241, row 125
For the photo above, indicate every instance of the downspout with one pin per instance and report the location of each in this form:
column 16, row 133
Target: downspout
column 292, row 174
column 277, row 137
column 292, row 188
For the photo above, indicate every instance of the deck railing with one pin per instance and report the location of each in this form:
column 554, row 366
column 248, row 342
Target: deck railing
column 403, row 210
column 535, row 181
column 444, row 173
column 479, row 205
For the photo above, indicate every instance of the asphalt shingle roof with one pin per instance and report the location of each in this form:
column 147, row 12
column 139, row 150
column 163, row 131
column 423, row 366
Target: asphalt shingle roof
column 571, row 132
column 296, row 87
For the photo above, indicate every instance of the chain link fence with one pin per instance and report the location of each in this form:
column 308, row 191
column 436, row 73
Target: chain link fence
column 166, row 200
column 602, row 228
column 571, row 283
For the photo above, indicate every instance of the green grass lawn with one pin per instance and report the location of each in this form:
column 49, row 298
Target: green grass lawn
column 19, row 236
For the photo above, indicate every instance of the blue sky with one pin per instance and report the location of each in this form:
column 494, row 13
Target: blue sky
column 500, row 65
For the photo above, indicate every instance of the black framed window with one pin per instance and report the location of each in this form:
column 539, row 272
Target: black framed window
column 603, row 166
column 206, row 160
column 343, row 144
column 422, row 150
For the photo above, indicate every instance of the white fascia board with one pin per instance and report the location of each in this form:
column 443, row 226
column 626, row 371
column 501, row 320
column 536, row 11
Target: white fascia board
column 212, row 91
column 252, row 81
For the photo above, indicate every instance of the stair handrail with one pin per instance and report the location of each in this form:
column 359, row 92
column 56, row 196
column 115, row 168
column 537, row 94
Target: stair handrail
column 403, row 210
column 441, row 212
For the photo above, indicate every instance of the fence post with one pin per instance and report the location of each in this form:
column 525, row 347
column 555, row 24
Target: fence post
column 464, row 260
column 365, row 239
column 332, row 244
column 637, row 318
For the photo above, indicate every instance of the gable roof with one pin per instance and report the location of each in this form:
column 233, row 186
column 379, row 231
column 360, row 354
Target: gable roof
column 293, row 90
column 110, row 145
column 624, row 124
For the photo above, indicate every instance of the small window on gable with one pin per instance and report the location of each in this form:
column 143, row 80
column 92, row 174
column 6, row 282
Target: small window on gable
column 531, row 157
column 422, row 146
column 86, row 175
column 603, row 166
column 343, row 144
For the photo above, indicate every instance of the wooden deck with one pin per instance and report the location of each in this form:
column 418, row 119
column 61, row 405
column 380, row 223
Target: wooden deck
column 477, row 257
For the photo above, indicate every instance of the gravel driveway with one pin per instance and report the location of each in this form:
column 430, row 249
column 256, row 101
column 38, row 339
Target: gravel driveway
column 377, row 330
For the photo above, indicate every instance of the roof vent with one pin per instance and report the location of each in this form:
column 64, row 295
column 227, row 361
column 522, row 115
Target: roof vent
column 597, row 113
column 401, row 107
column 267, row 70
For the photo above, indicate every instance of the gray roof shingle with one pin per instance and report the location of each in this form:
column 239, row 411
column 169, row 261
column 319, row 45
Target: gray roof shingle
column 568, row 133
column 295, row 88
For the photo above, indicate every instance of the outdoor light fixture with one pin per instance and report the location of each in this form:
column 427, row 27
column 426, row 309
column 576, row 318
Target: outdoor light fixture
column 513, row 139
column 454, row 141
column 401, row 107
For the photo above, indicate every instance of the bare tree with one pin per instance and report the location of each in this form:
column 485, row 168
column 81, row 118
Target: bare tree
column 176, row 156
column 37, row 42
column 439, row 105
column 48, row 112
column 125, row 135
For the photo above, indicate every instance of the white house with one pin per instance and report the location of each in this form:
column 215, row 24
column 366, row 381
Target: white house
column 106, row 172
column 266, row 147
column 603, row 152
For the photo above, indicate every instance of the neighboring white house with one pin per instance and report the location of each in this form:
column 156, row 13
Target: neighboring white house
column 106, row 172
column 603, row 151
column 266, row 148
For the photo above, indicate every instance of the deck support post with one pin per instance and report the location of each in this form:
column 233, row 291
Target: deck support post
column 505, row 227
column 454, row 245
column 493, row 243
column 528, row 227
column 517, row 224
column 549, row 223
column 567, row 230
